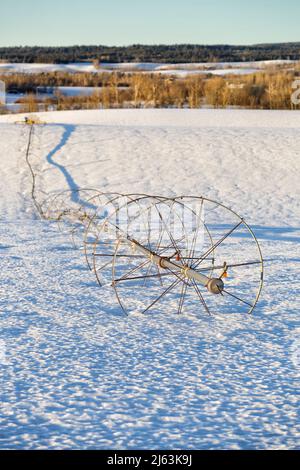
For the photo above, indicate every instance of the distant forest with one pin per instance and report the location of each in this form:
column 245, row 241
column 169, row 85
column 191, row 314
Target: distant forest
column 178, row 53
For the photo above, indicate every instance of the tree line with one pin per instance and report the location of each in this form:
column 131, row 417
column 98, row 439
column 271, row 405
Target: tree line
column 262, row 90
column 177, row 53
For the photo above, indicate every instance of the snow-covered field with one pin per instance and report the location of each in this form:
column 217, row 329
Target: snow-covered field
column 216, row 68
column 75, row 373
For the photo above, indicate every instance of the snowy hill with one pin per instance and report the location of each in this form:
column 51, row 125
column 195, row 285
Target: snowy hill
column 76, row 374
column 216, row 68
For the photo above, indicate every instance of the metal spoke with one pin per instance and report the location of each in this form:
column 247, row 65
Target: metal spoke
column 201, row 297
column 149, row 269
column 169, row 233
column 161, row 235
column 192, row 250
column 208, row 252
column 174, row 284
column 141, row 277
column 238, row 298
column 182, row 297
column 189, row 257
column 233, row 265
column 102, row 267
column 163, row 249
column 141, row 265
column 178, row 276
column 160, row 275
column 208, row 268
column 118, row 256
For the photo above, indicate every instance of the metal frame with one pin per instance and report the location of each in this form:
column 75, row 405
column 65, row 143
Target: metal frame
column 186, row 275
column 93, row 213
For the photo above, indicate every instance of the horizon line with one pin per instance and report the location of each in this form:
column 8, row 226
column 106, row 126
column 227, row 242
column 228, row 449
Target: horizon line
column 156, row 45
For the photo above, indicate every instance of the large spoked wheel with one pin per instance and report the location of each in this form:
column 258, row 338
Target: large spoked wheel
column 188, row 254
column 160, row 230
column 99, row 242
column 104, row 230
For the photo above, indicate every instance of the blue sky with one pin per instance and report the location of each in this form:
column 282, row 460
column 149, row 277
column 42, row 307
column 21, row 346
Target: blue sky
column 117, row 22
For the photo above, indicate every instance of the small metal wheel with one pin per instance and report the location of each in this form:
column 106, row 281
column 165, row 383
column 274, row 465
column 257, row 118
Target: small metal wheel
column 71, row 209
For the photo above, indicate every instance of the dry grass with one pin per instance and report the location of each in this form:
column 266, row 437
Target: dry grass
column 271, row 89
